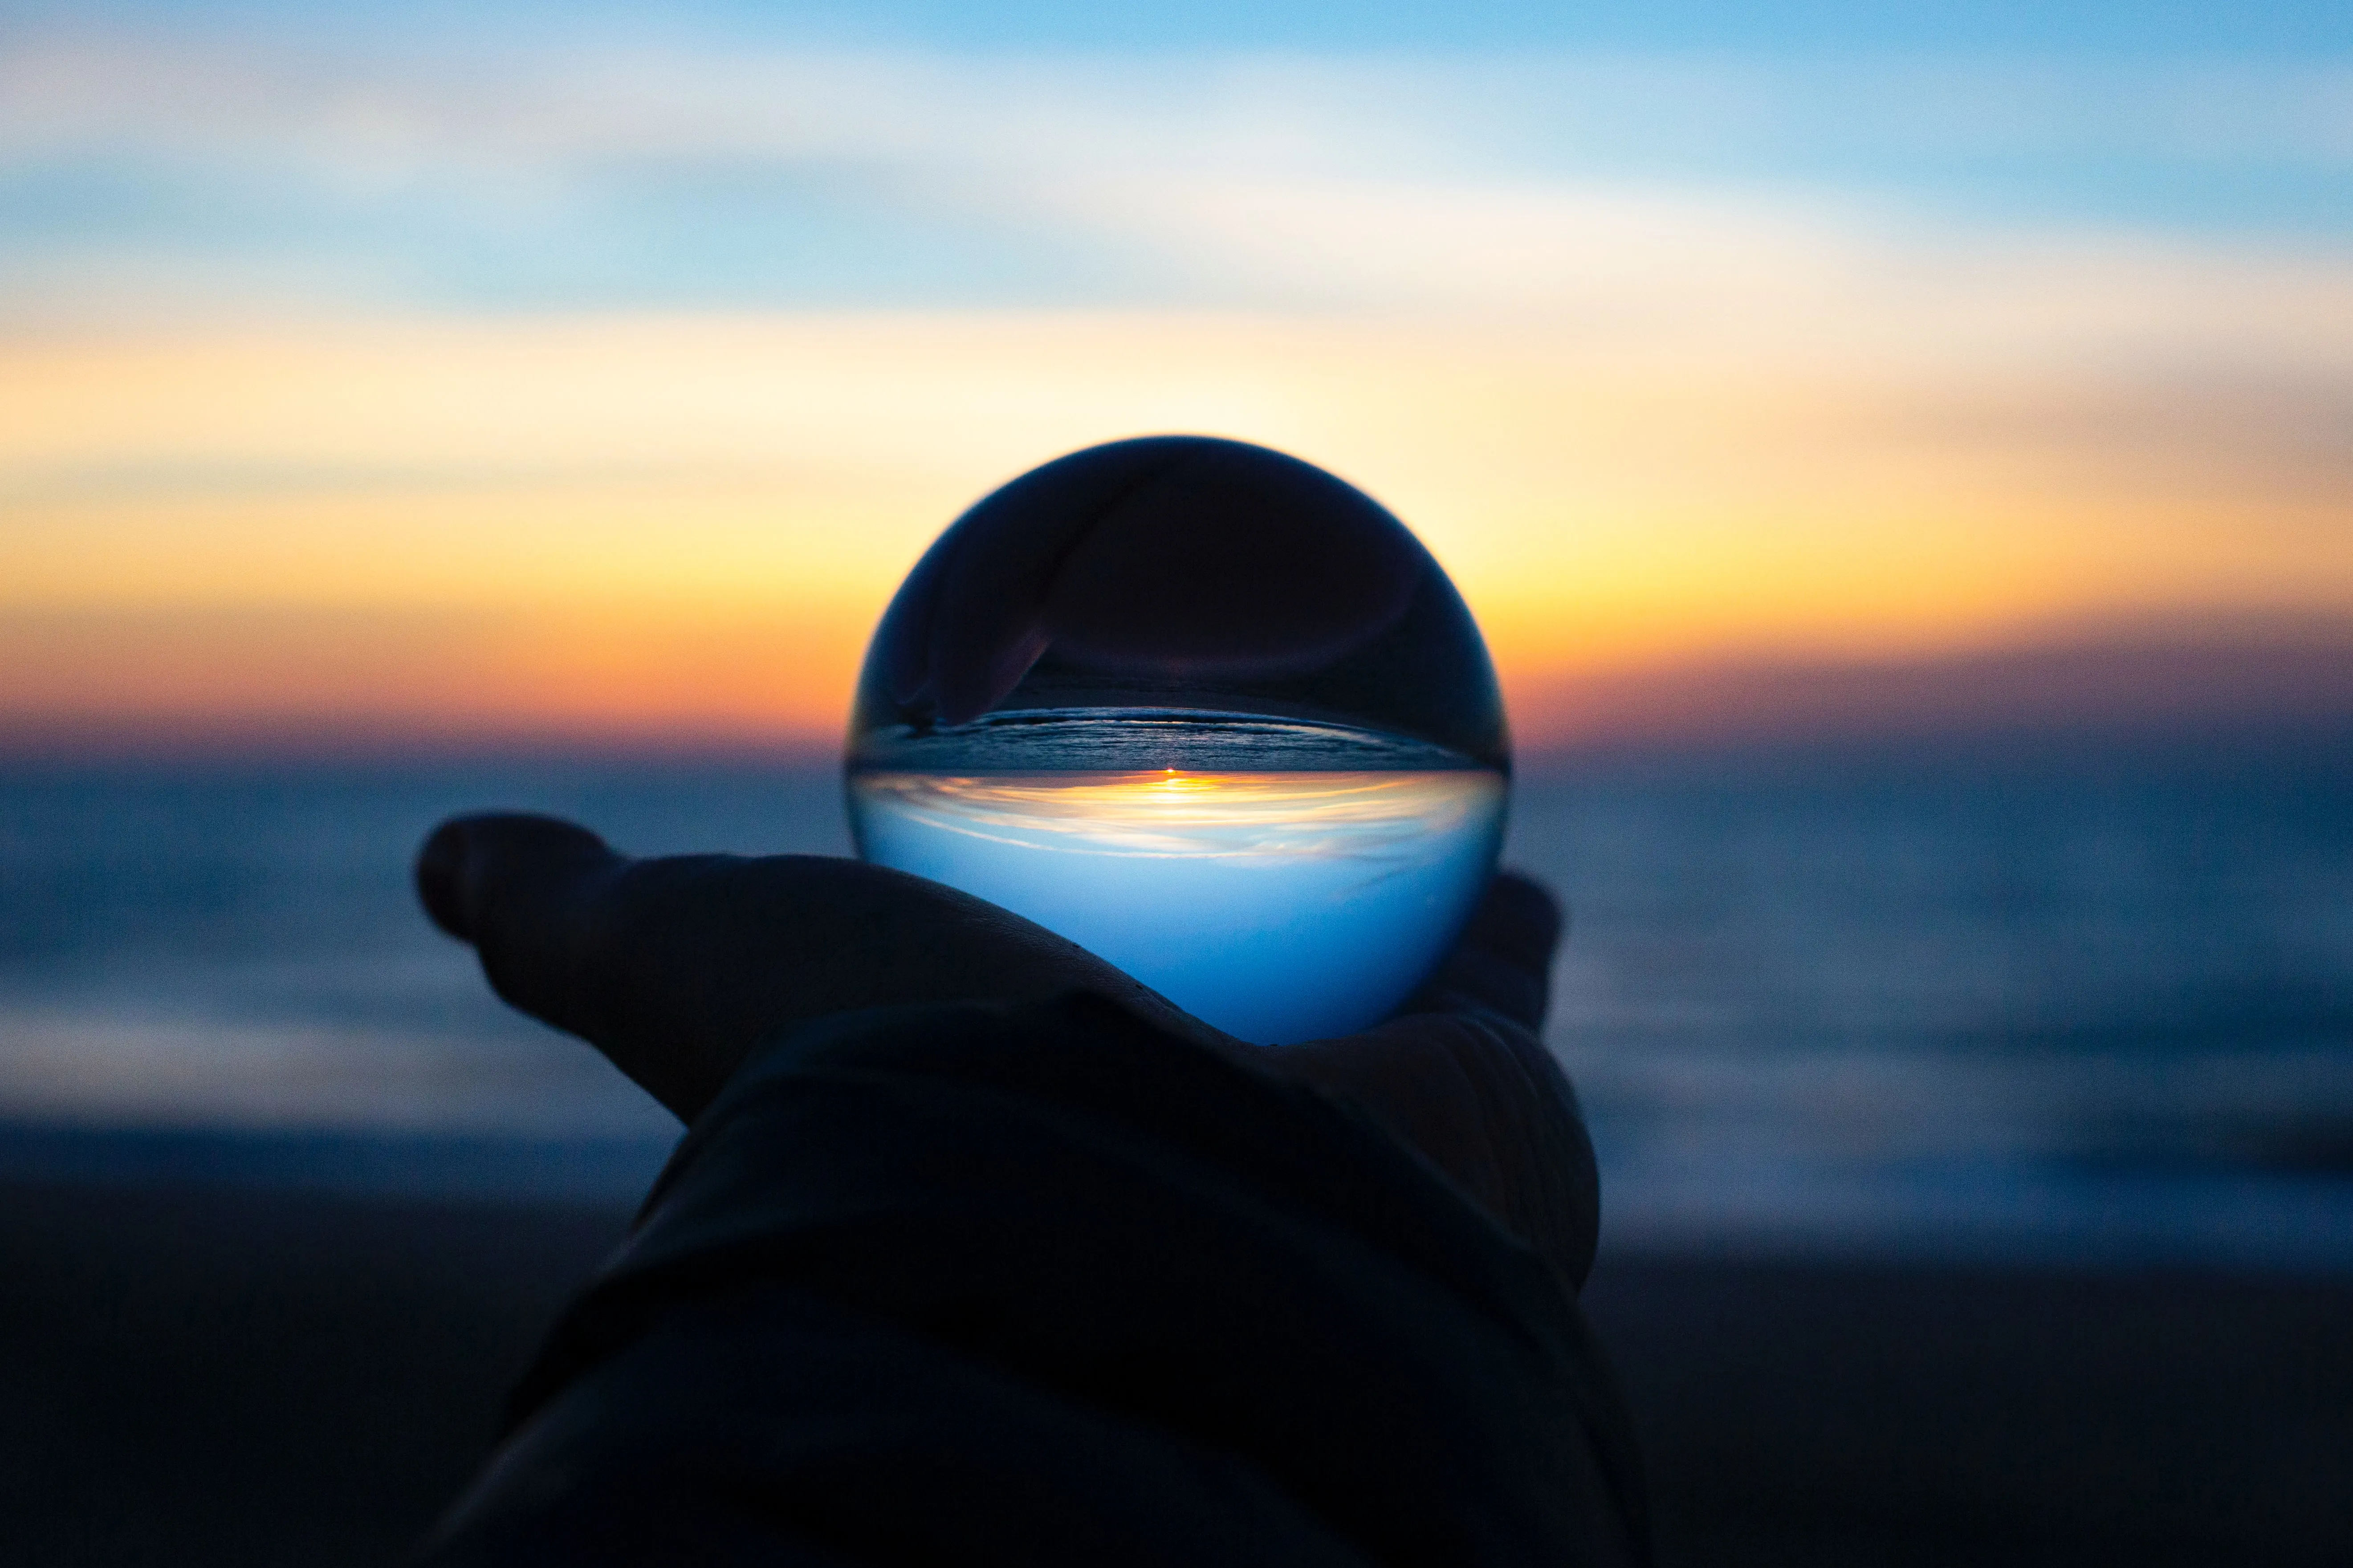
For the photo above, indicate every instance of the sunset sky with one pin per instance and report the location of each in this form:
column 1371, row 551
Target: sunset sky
column 509, row 371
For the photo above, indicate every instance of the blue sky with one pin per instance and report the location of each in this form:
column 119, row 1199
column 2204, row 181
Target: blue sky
column 160, row 158
column 2101, row 28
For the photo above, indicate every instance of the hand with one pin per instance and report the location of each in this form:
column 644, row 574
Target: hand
column 675, row 968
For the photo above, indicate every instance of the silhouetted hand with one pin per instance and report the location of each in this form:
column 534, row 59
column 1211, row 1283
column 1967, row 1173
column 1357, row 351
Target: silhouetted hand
column 676, row 968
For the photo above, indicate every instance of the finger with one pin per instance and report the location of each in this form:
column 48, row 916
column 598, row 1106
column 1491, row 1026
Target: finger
column 1538, row 1172
column 1502, row 964
column 516, row 886
column 675, row 968
column 1484, row 1102
column 471, row 864
column 528, row 892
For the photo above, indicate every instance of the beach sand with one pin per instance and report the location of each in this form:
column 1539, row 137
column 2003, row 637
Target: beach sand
column 194, row 1377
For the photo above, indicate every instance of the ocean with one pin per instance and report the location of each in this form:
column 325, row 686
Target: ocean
column 2057, row 1003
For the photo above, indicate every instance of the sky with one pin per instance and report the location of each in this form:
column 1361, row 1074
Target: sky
column 594, row 374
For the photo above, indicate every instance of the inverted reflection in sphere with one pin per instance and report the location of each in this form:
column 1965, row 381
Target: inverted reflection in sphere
column 1203, row 709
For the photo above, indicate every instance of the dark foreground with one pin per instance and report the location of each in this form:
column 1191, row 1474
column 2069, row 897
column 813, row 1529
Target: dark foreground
column 259, row 1378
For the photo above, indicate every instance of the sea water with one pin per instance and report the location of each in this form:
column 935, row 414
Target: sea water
column 2063, row 1005
column 1284, row 881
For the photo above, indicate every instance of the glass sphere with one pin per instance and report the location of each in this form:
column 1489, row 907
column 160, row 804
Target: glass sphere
column 1203, row 709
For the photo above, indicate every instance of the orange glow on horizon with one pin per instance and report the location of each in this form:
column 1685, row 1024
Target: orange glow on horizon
column 657, row 526
column 1351, row 812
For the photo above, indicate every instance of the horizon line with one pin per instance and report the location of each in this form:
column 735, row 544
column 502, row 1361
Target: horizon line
column 2130, row 681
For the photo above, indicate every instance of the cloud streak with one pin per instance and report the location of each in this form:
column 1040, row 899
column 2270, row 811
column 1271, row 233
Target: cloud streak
column 653, row 174
column 503, row 381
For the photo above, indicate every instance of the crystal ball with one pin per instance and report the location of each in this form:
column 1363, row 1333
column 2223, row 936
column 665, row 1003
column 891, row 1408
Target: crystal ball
column 1204, row 709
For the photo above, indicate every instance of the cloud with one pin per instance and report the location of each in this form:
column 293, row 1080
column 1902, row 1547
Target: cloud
column 396, row 103
column 2271, row 674
column 565, row 333
column 649, row 172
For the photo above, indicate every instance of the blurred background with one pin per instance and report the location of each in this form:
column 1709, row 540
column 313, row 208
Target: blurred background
column 1901, row 457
